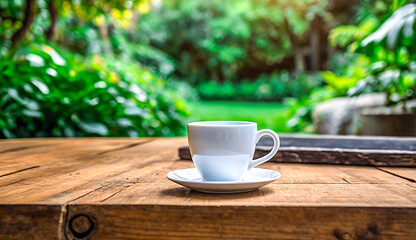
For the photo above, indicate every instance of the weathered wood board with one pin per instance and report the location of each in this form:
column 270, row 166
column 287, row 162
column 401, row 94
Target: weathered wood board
column 117, row 189
column 372, row 151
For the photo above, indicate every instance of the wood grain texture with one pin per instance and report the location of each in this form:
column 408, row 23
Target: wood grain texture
column 348, row 150
column 363, row 157
column 30, row 222
column 63, row 178
column 248, row 222
column 117, row 189
column 322, row 185
column 344, row 142
column 40, row 152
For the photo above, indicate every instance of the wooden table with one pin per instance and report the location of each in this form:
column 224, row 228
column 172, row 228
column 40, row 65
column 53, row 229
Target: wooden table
column 112, row 188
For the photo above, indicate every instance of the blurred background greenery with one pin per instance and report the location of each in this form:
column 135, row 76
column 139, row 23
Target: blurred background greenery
column 147, row 67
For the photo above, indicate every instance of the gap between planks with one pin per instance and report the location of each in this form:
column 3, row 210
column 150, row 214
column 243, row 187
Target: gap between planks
column 18, row 171
column 397, row 175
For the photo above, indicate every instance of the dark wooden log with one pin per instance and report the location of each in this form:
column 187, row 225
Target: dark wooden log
column 373, row 151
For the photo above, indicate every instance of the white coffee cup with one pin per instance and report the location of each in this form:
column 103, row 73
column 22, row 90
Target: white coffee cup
column 223, row 150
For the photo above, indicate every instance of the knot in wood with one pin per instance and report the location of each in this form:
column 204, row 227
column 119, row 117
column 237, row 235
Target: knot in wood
column 346, row 236
column 341, row 235
column 81, row 226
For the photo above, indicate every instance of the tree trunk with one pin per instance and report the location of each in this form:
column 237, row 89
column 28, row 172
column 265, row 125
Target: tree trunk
column 103, row 28
column 50, row 33
column 297, row 49
column 29, row 17
column 315, row 44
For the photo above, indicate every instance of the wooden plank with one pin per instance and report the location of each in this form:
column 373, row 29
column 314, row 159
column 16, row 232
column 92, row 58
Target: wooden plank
column 246, row 222
column 329, row 174
column 109, row 191
column 349, row 150
column 300, row 184
column 292, row 173
column 70, row 178
column 276, row 194
column 331, row 156
column 116, row 170
column 344, row 142
column 107, row 180
column 62, row 179
column 31, row 222
column 28, row 158
column 22, row 144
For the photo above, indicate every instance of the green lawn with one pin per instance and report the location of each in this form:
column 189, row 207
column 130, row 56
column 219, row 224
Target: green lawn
column 266, row 115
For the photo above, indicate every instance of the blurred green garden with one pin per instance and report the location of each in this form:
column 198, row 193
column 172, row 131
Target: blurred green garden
column 148, row 67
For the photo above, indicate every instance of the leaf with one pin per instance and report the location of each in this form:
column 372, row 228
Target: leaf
column 32, row 113
column 134, row 111
column 51, row 72
column 377, row 67
column 124, row 122
column 97, row 128
column 343, row 35
column 360, row 87
column 41, row 86
column 139, row 94
column 7, row 133
column 56, row 57
column 401, row 21
column 35, row 60
column 340, row 84
column 388, row 77
column 408, row 30
column 30, row 104
column 69, row 132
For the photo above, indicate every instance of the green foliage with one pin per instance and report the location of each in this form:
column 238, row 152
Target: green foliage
column 92, row 83
column 338, row 84
column 273, row 87
column 344, row 35
column 44, row 94
column 220, row 40
column 397, row 31
column 299, row 116
column 347, row 70
column 391, row 49
column 385, row 52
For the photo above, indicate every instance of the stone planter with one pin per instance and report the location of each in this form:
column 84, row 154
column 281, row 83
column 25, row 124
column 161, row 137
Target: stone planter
column 341, row 115
column 388, row 122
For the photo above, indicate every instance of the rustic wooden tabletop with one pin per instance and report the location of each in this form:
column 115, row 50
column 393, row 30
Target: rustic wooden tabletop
column 115, row 188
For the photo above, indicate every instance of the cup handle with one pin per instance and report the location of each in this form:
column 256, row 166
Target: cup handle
column 274, row 150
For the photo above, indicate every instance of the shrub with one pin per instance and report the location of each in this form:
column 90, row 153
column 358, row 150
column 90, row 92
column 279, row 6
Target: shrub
column 274, row 87
column 46, row 94
column 299, row 116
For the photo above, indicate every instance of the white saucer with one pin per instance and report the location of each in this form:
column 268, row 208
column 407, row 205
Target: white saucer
column 255, row 178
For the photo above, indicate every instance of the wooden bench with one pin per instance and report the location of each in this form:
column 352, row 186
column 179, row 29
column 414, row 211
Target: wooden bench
column 115, row 188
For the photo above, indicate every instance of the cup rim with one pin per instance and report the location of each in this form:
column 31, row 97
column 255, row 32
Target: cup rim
column 222, row 124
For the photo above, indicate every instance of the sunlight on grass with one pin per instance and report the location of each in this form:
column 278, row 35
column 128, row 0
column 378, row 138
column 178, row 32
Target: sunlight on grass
column 266, row 115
